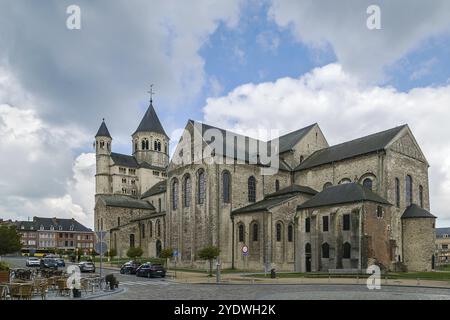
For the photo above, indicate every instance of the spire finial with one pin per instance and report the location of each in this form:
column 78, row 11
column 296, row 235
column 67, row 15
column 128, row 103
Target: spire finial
column 103, row 119
column 151, row 92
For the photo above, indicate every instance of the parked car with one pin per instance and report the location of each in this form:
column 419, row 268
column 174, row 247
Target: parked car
column 129, row 267
column 151, row 270
column 48, row 263
column 60, row 262
column 86, row 266
column 33, row 262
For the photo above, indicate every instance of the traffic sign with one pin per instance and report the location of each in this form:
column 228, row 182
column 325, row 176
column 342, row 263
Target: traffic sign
column 101, row 234
column 101, row 247
column 245, row 250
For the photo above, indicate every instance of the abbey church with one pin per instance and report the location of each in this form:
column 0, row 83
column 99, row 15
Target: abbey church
column 346, row 206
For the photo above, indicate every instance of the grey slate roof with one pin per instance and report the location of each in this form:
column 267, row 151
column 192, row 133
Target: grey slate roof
column 124, row 160
column 346, row 150
column 414, row 211
column 158, row 188
column 56, row 223
column 103, row 131
column 275, row 199
column 342, row 193
column 441, row 231
column 286, row 142
column 149, row 166
column 123, row 201
column 293, row 189
column 150, row 122
column 26, row 225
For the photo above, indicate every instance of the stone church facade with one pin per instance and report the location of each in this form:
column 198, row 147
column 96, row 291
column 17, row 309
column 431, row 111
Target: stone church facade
column 323, row 207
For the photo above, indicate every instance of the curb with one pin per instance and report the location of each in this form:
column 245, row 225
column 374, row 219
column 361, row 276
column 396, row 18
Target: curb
column 108, row 293
column 311, row 284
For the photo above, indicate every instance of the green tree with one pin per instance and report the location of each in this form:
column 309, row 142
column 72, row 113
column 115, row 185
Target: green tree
column 111, row 253
column 209, row 253
column 135, row 252
column 9, row 240
column 166, row 253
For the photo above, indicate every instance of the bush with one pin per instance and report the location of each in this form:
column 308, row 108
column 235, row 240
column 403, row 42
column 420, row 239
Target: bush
column 134, row 252
column 111, row 253
column 166, row 254
column 4, row 266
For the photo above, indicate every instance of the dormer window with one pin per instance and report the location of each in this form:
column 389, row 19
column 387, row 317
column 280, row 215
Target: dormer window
column 52, row 228
column 41, row 227
column 60, row 228
column 71, row 227
column 23, row 227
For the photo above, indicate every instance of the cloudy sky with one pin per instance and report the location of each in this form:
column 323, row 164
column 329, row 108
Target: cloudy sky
column 280, row 64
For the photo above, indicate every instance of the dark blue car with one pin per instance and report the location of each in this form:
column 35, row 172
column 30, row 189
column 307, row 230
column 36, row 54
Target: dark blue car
column 60, row 262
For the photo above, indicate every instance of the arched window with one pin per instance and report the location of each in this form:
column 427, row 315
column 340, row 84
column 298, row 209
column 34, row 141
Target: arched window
column 201, row 188
column 241, row 233
column 226, row 186
column 158, row 228
column 174, row 194
column 143, row 144
column 255, row 231
column 118, row 221
column 308, row 248
column 408, row 191
column 187, row 191
column 159, row 204
column 325, row 251
column 379, row 212
column 307, row 225
column 132, row 240
column 165, row 148
column 150, row 229
column 146, row 144
column 397, row 192
column 279, row 228
column 347, row 251
column 143, row 231
column 327, row 185
column 421, row 196
column 367, row 183
column 277, row 185
column 155, row 146
column 135, row 145
column 159, row 145
column 301, row 159
column 290, row 233
column 251, row 189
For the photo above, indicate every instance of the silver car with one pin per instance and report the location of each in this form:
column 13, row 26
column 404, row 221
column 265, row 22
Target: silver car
column 86, row 266
column 33, row 262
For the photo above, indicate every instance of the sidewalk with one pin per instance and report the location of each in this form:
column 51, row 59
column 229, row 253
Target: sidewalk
column 202, row 278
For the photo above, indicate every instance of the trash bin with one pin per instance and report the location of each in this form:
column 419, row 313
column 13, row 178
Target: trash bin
column 273, row 274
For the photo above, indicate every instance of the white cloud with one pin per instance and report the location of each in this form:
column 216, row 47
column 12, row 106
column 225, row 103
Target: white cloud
column 342, row 24
column 345, row 109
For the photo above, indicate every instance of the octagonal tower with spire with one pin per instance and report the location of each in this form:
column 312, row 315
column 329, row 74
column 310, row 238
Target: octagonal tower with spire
column 150, row 141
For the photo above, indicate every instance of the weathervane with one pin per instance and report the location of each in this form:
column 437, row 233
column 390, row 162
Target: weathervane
column 151, row 92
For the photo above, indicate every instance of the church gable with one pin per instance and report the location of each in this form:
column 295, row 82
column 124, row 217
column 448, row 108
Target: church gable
column 406, row 144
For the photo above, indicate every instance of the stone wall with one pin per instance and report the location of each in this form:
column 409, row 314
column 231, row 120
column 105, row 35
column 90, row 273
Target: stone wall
column 418, row 243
